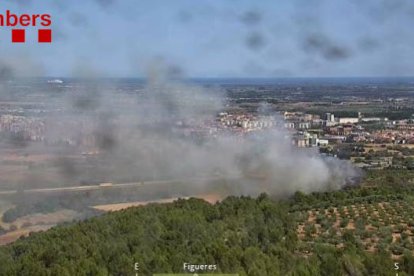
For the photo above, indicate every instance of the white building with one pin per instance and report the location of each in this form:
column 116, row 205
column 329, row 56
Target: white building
column 348, row 120
column 303, row 125
column 322, row 142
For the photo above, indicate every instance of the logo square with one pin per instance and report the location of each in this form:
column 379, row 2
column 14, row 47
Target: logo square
column 18, row 35
column 45, row 36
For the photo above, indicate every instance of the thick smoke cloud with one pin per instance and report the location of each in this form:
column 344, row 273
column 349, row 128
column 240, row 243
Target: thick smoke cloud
column 155, row 135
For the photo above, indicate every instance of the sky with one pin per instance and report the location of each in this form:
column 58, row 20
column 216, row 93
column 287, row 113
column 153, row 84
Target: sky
column 216, row 38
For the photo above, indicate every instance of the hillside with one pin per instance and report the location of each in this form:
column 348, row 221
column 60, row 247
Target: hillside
column 358, row 231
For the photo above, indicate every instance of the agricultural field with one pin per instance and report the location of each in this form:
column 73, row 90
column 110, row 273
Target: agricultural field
column 210, row 198
column 374, row 226
column 376, row 217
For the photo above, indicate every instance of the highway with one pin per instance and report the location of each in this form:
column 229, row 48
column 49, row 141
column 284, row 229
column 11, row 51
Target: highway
column 105, row 186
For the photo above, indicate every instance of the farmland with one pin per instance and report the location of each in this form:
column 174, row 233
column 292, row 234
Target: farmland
column 376, row 217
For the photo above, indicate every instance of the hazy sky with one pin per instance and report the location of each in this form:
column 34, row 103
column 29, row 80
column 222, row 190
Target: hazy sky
column 217, row 38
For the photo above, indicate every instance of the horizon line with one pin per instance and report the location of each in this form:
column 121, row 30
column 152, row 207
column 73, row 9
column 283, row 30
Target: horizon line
column 211, row 78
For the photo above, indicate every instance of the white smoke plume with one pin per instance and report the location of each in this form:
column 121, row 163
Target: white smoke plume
column 152, row 135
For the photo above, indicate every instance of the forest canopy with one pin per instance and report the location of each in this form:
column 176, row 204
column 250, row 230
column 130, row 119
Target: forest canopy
column 249, row 236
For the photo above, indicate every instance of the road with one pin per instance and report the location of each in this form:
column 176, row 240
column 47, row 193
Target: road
column 112, row 186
